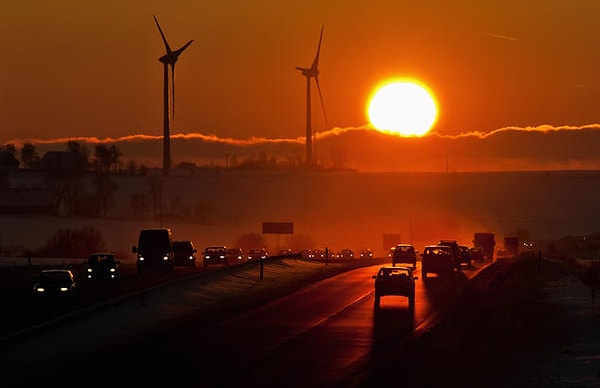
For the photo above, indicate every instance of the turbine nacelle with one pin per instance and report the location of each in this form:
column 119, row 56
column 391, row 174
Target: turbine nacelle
column 310, row 72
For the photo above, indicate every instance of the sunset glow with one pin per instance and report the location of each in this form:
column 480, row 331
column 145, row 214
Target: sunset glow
column 403, row 108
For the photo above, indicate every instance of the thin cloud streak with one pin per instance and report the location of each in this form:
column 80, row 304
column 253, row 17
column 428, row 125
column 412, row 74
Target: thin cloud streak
column 336, row 131
column 544, row 128
column 542, row 147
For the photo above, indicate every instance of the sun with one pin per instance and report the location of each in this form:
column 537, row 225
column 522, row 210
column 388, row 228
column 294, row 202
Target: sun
column 404, row 108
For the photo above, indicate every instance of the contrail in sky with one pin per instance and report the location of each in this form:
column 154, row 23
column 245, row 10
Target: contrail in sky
column 498, row 36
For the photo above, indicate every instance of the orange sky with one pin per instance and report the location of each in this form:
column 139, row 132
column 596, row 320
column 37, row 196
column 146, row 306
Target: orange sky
column 74, row 69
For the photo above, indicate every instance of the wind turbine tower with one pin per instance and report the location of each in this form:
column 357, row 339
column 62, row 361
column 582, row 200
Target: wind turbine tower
column 312, row 72
column 169, row 59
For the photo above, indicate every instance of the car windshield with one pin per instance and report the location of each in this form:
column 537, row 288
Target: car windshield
column 438, row 251
column 386, row 272
column 101, row 259
column 54, row 277
column 182, row 247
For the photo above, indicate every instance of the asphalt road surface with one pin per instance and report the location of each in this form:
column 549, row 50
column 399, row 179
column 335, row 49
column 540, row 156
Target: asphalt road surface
column 323, row 335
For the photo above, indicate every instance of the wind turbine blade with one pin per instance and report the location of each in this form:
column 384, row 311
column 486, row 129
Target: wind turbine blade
column 179, row 51
column 163, row 35
column 321, row 98
column 315, row 63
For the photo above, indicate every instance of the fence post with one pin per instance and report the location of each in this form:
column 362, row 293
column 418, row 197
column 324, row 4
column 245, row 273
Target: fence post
column 261, row 267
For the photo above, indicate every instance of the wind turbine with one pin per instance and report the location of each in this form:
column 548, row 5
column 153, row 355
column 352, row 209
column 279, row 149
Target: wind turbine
column 312, row 72
column 169, row 59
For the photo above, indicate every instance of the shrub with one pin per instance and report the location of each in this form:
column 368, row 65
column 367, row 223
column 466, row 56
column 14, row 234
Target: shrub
column 73, row 243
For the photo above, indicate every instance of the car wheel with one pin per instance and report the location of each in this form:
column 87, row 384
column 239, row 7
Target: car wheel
column 377, row 300
column 411, row 302
column 424, row 274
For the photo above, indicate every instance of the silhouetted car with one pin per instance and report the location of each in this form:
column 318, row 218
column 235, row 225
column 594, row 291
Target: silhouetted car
column 55, row 284
column 102, row 266
column 465, row 254
column 234, row 254
column 184, row 254
column 345, row 254
column 456, row 256
column 215, row 255
column 366, row 253
column 318, row 254
column 404, row 253
column 437, row 259
column 256, row 254
column 286, row 252
column 306, row 254
column 395, row 281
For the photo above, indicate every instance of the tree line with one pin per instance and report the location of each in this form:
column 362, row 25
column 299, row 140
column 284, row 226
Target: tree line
column 106, row 157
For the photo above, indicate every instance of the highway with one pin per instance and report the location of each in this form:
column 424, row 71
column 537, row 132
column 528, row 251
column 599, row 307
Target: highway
column 323, row 335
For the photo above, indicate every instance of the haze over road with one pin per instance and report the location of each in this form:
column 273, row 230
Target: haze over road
column 322, row 335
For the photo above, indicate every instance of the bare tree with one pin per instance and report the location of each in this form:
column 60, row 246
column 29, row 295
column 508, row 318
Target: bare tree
column 79, row 149
column 107, row 158
column 9, row 148
column 139, row 204
column 102, row 159
column 29, row 156
column 105, row 189
column 156, row 191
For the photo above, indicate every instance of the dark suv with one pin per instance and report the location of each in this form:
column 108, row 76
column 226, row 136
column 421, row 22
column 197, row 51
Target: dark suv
column 404, row 253
column 102, row 266
column 184, row 254
column 395, row 281
column 437, row 259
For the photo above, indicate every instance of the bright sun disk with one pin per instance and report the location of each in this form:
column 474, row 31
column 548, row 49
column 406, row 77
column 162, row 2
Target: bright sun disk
column 403, row 108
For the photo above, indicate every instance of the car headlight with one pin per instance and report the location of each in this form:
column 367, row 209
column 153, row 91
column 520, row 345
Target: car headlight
column 222, row 256
column 141, row 258
column 90, row 270
column 207, row 257
column 39, row 289
column 165, row 258
column 191, row 257
column 112, row 270
column 64, row 289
